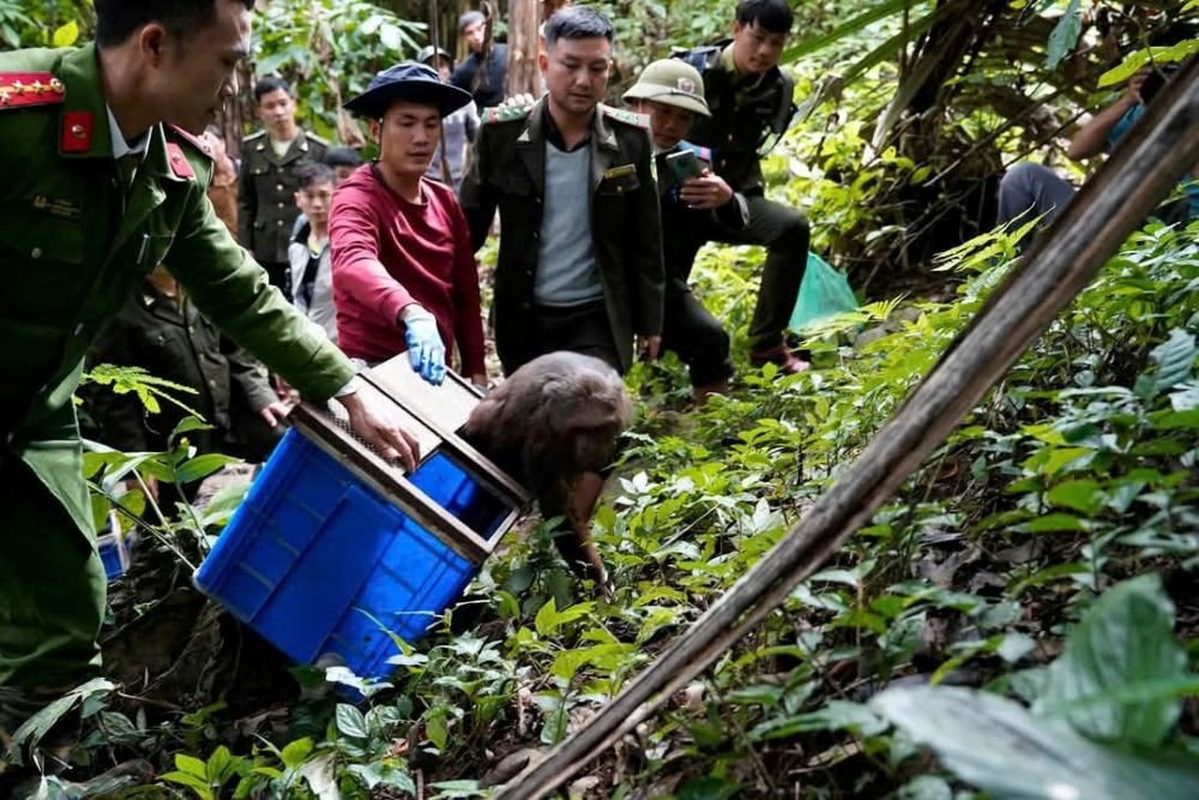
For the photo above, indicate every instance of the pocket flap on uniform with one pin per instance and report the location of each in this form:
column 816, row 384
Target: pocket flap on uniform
column 619, row 182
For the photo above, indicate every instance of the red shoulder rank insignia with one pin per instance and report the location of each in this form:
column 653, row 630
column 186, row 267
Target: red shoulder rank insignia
column 179, row 162
column 21, row 89
column 192, row 139
column 77, row 131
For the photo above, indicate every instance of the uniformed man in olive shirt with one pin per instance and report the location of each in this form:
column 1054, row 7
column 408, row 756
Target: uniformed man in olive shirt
column 99, row 188
column 270, row 161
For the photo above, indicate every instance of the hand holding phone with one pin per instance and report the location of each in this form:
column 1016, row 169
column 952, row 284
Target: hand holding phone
column 682, row 167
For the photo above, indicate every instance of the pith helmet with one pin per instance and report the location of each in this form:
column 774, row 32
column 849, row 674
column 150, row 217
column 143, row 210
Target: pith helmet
column 672, row 82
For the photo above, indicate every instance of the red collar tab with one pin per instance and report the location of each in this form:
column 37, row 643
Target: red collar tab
column 195, row 140
column 21, row 89
column 179, row 163
column 77, row 131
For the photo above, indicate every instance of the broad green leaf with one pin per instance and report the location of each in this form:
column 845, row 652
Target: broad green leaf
column 219, row 765
column 65, row 35
column 1125, row 639
column 294, row 753
column 204, row 465
column 198, row 785
column 1005, row 750
column 1175, row 359
column 191, row 765
column 1065, row 35
column 438, row 731
column 1083, row 495
column 33, row 729
column 837, row 715
column 351, row 722
column 1134, row 61
column 815, row 44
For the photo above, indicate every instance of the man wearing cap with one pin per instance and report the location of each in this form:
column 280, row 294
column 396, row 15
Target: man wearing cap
column 404, row 273
column 750, row 99
column 458, row 130
column 485, row 68
column 694, row 210
column 101, row 187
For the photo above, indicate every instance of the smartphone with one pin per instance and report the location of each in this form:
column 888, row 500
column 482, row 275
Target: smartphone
column 682, row 166
column 1155, row 80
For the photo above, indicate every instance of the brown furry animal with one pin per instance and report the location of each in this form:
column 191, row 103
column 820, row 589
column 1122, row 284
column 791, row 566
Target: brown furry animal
column 553, row 426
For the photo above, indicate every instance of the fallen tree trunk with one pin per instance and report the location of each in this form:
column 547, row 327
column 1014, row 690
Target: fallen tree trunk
column 1164, row 145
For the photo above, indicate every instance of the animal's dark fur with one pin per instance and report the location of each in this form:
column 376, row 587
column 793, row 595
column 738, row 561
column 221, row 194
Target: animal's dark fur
column 555, row 419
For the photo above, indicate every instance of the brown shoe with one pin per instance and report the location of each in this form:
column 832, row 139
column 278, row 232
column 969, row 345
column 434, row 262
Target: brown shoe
column 779, row 355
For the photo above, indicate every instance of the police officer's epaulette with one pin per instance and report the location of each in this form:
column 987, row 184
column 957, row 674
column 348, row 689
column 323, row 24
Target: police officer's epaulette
column 175, row 132
column 625, row 116
column 25, row 89
column 496, row 114
column 255, row 136
column 312, row 137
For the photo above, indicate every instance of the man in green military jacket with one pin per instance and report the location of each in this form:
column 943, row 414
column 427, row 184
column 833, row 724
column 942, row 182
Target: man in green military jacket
column 99, row 188
column 269, row 179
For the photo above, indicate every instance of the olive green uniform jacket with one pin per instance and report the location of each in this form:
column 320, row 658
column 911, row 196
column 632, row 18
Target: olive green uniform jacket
column 509, row 171
column 267, row 195
column 70, row 256
column 170, row 339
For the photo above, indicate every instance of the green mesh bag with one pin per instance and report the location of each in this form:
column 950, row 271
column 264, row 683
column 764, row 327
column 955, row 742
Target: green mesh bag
column 824, row 292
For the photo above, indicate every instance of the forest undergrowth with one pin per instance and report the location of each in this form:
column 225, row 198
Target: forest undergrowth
column 1031, row 584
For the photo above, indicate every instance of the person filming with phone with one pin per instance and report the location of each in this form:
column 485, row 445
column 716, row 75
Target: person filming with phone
column 697, row 205
column 1038, row 192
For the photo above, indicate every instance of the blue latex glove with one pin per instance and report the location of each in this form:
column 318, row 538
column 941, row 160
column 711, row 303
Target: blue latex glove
column 425, row 347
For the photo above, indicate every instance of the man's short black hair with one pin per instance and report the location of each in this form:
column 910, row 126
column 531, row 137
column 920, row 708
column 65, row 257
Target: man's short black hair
column 267, row 85
column 116, row 20
column 311, row 175
column 774, row 16
column 577, row 22
column 342, row 157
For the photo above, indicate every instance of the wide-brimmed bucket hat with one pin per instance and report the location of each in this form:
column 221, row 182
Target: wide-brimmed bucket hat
column 673, row 82
column 408, row 80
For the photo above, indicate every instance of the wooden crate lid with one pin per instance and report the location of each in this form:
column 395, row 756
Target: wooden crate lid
column 445, row 407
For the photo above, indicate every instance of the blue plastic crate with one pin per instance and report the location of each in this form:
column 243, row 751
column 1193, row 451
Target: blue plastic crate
column 110, row 556
column 318, row 562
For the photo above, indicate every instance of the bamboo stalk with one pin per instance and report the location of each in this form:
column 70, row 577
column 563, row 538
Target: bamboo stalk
column 1163, row 146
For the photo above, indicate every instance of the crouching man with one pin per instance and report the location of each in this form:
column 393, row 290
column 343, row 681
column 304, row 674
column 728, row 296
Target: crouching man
column 697, row 206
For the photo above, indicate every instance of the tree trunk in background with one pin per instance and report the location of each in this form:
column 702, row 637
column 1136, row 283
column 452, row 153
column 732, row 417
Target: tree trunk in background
column 524, row 21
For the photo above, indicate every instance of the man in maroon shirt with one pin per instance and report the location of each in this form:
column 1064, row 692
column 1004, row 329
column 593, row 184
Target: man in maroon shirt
column 404, row 272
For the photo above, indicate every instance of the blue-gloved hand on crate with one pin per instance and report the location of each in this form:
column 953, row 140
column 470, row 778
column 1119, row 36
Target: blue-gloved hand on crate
column 425, row 348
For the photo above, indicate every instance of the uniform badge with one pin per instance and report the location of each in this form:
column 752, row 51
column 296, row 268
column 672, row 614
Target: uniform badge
column 64, row 209
column 686, row 85
column 620, row 172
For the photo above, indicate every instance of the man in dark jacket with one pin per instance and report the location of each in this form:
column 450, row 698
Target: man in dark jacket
column 161, row 331
column 270, row 160
column 751, row 103
column 580, row 263
column 484, row 70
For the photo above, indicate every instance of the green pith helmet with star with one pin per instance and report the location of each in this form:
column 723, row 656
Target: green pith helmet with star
column 672, row 82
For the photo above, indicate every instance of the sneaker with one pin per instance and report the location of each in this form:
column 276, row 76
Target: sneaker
column 779, row 355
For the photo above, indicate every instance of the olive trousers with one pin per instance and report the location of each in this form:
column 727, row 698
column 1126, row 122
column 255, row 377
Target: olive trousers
column 52, row 595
